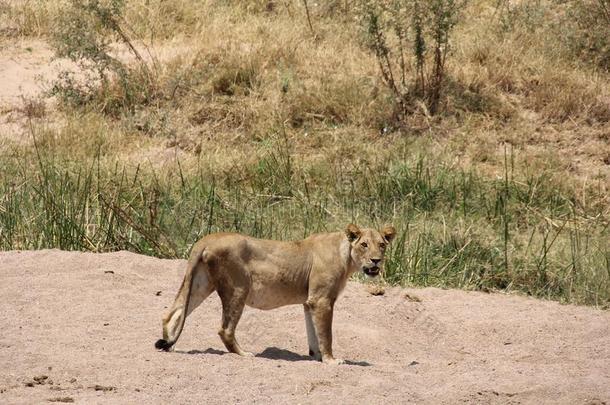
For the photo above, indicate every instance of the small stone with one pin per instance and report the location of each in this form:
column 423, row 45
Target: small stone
column 41, row 379
column 412, row 298
column 375, row 289
column 98, row 387
column 61, row 399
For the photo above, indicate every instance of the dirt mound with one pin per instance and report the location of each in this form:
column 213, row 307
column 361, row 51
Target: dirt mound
column 80, row 327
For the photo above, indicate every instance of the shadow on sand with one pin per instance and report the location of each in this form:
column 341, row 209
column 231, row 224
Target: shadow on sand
column 273, row 353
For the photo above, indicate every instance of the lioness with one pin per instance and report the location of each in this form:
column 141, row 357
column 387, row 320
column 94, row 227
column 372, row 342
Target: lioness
column 268, row 274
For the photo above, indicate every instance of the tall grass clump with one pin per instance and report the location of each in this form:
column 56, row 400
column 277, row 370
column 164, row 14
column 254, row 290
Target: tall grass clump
column 27, row 18
column 586, row 30
column 551, row 56
column 455, row 228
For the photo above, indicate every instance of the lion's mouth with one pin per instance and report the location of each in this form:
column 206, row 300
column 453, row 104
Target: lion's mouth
column 371, row 271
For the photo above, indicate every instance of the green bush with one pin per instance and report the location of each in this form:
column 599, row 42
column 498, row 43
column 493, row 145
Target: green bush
column 411, row 40
column 85, row 34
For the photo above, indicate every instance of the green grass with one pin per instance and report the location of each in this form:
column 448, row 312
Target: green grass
column 455, row 228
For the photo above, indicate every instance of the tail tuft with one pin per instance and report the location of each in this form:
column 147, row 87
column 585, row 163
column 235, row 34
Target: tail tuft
column 163, row 344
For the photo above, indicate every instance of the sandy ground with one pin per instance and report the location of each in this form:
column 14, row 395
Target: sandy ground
column 24, row 66
column 81, row 327
column 26, row 71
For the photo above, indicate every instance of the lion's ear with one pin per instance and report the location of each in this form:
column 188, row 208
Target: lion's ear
column 388, row 232
column 352, row 232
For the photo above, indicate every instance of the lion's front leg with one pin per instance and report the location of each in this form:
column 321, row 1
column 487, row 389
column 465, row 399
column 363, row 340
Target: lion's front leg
column 322, row 314
column 312, row 339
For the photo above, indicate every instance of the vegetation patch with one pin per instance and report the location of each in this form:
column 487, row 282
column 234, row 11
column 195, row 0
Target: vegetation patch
column 469, row 126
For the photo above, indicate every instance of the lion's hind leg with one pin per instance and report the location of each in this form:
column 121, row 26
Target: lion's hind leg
column 233, row 303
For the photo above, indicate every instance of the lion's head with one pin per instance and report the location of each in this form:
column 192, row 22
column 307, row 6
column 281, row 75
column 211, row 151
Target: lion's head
column 368, row 247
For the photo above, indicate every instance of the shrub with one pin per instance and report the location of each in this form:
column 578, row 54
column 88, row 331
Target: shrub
column 411, row 40
column 85, row 34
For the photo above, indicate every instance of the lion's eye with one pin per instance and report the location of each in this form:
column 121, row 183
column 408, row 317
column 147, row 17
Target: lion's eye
column 382, row 245
column 364, row 244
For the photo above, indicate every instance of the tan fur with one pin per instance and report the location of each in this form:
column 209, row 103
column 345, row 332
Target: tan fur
column 267, row 274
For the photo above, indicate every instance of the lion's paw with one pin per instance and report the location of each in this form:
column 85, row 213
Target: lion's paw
column 246, row 354
column 334, row 362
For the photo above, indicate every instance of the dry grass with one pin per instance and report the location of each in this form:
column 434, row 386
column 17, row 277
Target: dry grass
column 236, row 73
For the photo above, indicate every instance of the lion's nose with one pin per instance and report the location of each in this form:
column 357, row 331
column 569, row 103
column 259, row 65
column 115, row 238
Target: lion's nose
column 375, row 261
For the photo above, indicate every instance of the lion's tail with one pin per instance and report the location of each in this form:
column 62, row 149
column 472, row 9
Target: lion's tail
column 173, row 323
